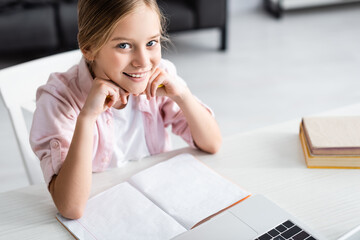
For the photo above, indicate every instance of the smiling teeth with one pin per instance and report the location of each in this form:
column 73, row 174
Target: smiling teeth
column 137, row 75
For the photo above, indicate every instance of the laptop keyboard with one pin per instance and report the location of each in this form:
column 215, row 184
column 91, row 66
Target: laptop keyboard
column 286, row 230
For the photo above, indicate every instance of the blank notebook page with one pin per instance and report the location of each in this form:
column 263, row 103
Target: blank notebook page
column 187, row 189
column 123, row 212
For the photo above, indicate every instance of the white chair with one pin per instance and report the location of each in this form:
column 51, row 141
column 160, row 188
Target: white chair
column 18, row 85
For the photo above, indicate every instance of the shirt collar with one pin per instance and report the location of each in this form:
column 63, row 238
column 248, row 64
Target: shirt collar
column 142, row 103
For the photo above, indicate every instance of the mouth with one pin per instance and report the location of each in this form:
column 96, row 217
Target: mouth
column 137, row 77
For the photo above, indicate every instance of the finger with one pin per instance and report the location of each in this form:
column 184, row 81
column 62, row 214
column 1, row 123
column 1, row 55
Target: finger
column 108, row 83
column 151, row 79
column 111, row 98
column 156, row 72
column 155, row 84
column 123, row 95
column 108, row 91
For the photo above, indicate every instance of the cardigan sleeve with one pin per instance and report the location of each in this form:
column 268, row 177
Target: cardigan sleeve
column 53, row 126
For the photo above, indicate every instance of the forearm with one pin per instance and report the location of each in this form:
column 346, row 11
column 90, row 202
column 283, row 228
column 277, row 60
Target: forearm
column 71, row 187
column 204, row 129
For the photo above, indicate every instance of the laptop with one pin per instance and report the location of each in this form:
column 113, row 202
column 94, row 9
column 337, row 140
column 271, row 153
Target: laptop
column 255, row 218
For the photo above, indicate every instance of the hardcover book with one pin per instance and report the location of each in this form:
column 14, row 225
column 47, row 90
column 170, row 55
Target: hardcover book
column 333, row 135
column 326, row 160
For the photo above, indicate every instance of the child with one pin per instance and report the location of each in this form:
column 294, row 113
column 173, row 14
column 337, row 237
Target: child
column 115, row 104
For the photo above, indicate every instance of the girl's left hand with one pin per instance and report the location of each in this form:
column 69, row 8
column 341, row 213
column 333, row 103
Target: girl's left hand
column 172, row 87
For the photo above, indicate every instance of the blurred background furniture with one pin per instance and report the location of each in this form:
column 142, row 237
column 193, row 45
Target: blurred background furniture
column 277, row 7
column 51, row 25
column 36, row 25
column 18, row 85
column 184, row 15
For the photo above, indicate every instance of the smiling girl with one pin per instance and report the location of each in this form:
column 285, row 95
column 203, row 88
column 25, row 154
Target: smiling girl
column 115, row 105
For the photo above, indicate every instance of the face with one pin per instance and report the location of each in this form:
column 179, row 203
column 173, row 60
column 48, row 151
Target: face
column 132, row 52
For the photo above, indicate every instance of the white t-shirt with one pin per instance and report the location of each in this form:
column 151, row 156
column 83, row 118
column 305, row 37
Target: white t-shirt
column 130, row 143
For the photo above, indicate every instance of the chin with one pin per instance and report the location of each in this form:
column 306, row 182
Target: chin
column 136, row 90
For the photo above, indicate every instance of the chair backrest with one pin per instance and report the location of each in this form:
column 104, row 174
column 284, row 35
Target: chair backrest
column 18, row 85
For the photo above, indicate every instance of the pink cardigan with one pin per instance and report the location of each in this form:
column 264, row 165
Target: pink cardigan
column 59, row 102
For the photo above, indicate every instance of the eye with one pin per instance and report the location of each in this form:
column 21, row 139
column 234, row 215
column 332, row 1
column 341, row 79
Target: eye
column 151, row 43
column 123, row 45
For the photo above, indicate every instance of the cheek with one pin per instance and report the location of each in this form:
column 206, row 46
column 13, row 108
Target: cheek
column 156, row 58
column 119, row 61
column 116, row 65
column 109, row 61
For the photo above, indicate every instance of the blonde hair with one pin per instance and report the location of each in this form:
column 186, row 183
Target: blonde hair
column 97, row 20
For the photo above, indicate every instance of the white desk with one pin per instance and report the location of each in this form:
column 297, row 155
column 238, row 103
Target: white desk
column 267, row 161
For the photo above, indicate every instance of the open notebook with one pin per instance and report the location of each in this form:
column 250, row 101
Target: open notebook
column 160, row 202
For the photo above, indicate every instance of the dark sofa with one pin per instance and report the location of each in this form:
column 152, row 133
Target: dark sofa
column 184, row 15
column 51, row 25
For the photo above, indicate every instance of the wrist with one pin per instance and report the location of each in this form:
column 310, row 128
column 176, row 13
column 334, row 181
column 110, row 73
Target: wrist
column 182, row 96
column 86, row 118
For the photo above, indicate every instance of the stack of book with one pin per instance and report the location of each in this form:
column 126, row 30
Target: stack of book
column 331, row 142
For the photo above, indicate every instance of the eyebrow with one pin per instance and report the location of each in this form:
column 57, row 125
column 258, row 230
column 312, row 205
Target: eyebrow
column 129, row 39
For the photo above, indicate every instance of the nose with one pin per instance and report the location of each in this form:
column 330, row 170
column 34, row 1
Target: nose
column 141, row 58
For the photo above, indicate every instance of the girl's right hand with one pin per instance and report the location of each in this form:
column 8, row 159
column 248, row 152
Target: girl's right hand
column 103, row 94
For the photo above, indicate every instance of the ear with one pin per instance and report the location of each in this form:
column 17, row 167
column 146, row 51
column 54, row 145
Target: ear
column 88, row 55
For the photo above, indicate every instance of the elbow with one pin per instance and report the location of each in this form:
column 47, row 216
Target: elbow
column 74, row 212
column 68, row 205
column 213, row 147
